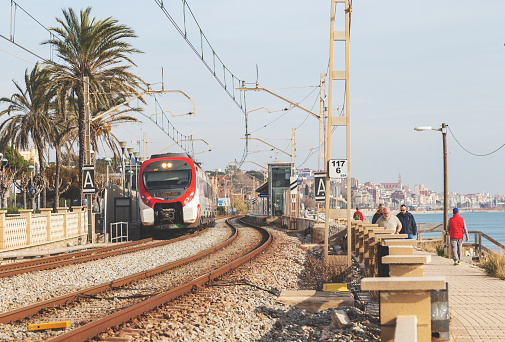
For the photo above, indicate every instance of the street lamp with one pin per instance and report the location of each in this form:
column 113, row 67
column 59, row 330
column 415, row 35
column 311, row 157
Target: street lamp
column 443, row 129
column 136, row 156
column 130, row 151
column 122, row 144
column 107, row 160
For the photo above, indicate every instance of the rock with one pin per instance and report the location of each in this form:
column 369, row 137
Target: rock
column 340, row 320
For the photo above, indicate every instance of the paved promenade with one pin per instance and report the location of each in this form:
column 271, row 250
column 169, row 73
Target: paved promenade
column 476, row 301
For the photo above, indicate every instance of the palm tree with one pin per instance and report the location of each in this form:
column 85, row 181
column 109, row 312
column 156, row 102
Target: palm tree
column 96, row 49
column 29, row 117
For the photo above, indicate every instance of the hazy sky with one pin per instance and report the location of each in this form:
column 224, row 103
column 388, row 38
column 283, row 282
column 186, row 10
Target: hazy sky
column 412, row 64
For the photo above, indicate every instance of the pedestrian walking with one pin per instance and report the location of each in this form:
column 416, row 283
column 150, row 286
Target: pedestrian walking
column 457, row 227
column 409, row 225
column 358, row 215
column 389, row 221
column 378, row 213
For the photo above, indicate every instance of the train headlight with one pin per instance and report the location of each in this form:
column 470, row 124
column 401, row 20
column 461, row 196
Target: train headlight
column 166, row 165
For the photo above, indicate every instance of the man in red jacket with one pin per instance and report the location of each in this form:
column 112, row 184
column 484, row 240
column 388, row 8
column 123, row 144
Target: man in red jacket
column 357, row 215
column 457, row 227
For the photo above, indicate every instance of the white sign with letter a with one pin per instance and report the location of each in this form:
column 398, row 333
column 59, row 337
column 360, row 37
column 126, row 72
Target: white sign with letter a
column 88, row 179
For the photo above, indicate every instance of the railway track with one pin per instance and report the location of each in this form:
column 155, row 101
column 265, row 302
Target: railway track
column 106, row 295
column 65, row 259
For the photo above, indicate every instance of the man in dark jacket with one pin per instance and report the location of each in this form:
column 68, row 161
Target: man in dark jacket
column 408, row 222
column 378, row 213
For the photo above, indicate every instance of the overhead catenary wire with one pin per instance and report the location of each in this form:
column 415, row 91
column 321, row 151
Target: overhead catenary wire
column 473, row 154
column 241, row 102
column 282, row 115
column 13, row 55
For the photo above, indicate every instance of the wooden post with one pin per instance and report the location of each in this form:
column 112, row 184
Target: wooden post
column 47, row 212
column 3, row 227
column 28, row 214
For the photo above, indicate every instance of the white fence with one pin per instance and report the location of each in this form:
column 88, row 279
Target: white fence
column 29, row 228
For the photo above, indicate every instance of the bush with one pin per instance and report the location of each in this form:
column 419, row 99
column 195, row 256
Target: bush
column 440, row 250
column 11, row 210
column 318, row 274
column 494, row 265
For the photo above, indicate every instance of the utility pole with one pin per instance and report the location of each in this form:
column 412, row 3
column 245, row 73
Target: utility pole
column 338, row 121
column 87, row 140
column 293, row 152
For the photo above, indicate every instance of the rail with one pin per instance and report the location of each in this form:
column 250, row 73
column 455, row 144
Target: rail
column 10, row 316
column 92, row 329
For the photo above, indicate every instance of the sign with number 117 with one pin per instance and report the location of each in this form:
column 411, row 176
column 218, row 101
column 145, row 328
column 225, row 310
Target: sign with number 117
column 337, row 168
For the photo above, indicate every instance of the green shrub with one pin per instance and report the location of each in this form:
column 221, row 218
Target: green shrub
column 11, row 210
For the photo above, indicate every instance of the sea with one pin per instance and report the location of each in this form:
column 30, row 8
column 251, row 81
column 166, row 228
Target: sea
column 491, row 223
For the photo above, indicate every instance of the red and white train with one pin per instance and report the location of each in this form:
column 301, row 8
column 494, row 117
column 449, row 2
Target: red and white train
column 175, row 193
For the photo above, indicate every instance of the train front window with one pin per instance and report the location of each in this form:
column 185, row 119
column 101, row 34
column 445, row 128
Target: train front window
column 173, row 179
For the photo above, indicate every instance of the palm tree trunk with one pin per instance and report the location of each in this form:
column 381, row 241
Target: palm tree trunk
column 24, row 199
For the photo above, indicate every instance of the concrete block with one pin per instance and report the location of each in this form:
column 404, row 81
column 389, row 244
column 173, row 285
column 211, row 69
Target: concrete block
column 398, row 303
column 390, row 236
column 312, row 300
column 414, row 270
column 401, row 250
column 402, row 242
column 403, row 284
column 340, row 320
column 423, row 333
column 307, row 246
column 380, row 230
column 407, row 259
column 406, row 329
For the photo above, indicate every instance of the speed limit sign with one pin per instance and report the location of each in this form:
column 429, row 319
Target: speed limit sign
column 337, row 168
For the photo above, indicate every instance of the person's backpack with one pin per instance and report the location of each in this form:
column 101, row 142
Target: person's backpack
column 356, row 217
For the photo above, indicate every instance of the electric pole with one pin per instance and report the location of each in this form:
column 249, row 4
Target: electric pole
column 338, row 75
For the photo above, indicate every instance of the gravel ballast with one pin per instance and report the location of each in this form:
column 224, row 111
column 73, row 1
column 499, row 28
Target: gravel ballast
column 243, row 307
column 29, row 288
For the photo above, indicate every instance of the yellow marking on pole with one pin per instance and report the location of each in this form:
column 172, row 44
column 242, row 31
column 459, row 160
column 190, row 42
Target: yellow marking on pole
column 335, row 287
column 51, row 325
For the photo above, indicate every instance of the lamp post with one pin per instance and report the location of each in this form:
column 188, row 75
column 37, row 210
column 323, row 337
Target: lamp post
column 122, row 144
column 130, row 151
column 107, row 160
column 136, row 156
column 443, row 129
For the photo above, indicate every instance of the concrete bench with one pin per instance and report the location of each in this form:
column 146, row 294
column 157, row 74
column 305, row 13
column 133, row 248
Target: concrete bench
column 379, row 250
column 404, row 296
column 401, row 250
column 394, row 242
column 406, row 265
column 369, row 248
